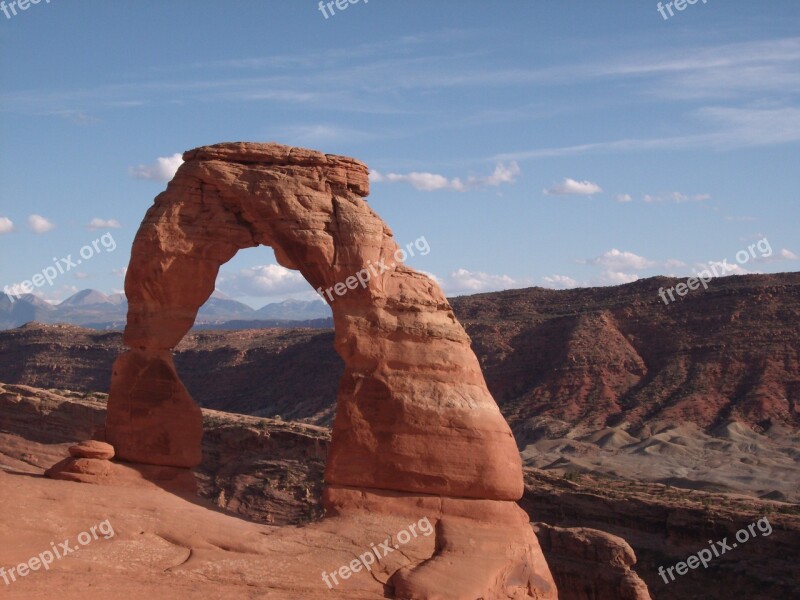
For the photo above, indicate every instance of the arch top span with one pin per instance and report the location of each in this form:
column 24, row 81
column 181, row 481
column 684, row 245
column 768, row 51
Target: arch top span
column 337, row 170
column 413, row 411
column 306, row 205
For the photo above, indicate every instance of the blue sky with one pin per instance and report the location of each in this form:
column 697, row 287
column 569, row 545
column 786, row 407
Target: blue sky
column 557, row 144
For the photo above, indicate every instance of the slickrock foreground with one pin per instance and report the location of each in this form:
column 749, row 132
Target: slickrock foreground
column 417, row 433
column 166, row 547
column 268, row 470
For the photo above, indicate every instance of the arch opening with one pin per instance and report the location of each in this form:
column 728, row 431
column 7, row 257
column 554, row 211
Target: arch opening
column 284, row 366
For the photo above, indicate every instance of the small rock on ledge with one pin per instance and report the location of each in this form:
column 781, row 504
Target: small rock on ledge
column 92, row 449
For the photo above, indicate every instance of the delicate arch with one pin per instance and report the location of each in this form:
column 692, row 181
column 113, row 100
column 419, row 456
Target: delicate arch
column 413, row 412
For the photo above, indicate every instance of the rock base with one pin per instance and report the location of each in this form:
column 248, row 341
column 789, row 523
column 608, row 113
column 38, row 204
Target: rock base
column 482, row 548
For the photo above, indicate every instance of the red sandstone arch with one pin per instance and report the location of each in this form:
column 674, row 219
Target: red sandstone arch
column 416, row 431
column 414, row 414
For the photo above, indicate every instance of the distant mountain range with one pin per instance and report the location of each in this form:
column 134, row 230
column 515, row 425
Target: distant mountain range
column 96, row 310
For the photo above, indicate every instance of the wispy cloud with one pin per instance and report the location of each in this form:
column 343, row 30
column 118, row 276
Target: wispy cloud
column 6, row 225
column 321, row 134
column 735, row 128
column 77, row 117
column 390, row 72
column 715, row 71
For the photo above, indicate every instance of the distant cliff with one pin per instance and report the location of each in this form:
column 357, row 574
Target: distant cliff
column 554, row 360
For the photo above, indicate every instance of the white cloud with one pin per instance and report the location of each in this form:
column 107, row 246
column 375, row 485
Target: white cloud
column 615, row 278
column 607, row 277
column 502, row 174
column 38, row 224
column 463, row 281
column 571, row 187
column 560, row 282
column 677, row 197
column 721, row 268
column 80, row 275
column 674, row 263
column 617, row 260
column 427, row 182
column 120, row 272
column 262, row 280
column 6, row 225
column 430, row 182
column 618, row 266
column 773, row 257
column 98, row 223
column 623, row 198
column 432, row 276
column 163, row 170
